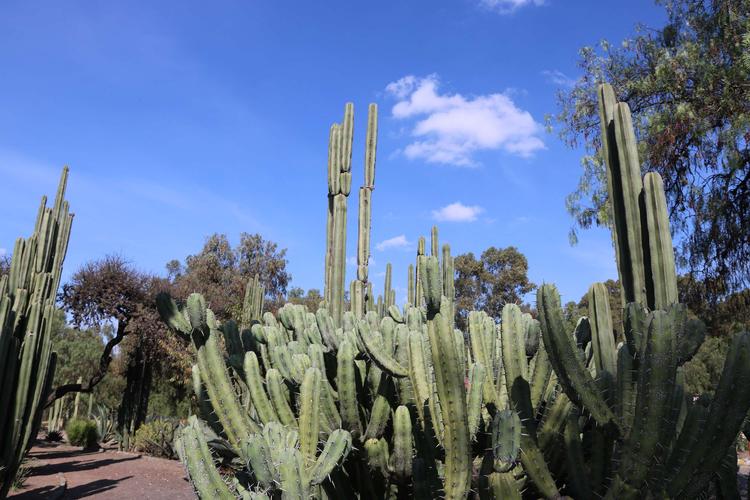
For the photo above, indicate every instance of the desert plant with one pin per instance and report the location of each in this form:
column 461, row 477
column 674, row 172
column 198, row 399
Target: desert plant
column 21, row 475
column 156, row 438
column 27, row 306
column 82, row 433
column 379, row 402
column 106, row 423
column 54, row 436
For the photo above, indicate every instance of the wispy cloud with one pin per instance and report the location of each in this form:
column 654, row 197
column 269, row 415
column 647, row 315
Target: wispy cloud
column 399, row 241
column 557, row 77
column 508, row 6
column 449, row 129
column 457, row 212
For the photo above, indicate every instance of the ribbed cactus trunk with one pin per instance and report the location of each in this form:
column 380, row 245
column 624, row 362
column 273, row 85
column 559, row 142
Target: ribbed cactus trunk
column 645, row 256
column 339, row 186
column 360, row 296
column 27, row 307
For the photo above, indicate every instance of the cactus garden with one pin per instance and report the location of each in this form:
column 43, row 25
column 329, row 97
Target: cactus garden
column 438, row 375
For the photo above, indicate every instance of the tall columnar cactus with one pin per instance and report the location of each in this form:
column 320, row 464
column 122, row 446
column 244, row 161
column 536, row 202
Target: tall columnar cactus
column 393, row 403
column 27, row 308
column 339, row 186
column 360, row 295
column 633, row 393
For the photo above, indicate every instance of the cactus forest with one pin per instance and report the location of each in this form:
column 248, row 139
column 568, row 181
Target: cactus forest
column 363, row 398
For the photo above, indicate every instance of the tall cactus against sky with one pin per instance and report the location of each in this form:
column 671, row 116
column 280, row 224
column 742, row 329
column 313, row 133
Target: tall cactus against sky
column 360, row 294
column 27, row 308
column 339, row 186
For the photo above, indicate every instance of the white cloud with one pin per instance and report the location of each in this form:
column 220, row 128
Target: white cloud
column 399, row 241
column 557, row 77
column 450, row 128
column 3, row 252
column 457, row 212
column 508, row 6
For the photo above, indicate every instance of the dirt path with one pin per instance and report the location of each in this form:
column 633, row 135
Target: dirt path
column 107, row 474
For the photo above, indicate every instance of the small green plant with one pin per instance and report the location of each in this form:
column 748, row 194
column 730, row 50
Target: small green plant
column 82, row 433
column 155, row 439
column 21, row 475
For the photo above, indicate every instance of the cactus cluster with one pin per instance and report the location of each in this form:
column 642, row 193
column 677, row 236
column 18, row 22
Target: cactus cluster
column 379, row 401
column 27, row 307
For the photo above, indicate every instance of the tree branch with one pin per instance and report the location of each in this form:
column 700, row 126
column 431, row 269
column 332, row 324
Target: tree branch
column 104, row 362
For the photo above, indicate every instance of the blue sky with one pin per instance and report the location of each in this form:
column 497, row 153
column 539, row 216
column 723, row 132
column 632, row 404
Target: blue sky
column 180, row 119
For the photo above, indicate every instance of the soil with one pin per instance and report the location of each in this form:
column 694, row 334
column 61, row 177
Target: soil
column 62, row 471
column 101, row 474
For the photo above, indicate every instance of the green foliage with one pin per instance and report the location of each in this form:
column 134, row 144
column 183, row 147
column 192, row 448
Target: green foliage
column 220, row 272
column 702, row 373
column 168, row 398
column 82, row 433
column 155, row 438
column 686, row 81
column 498, row 277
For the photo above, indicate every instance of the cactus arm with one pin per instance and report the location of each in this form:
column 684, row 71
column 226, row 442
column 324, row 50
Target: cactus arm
column 513, row 346
column 347, row 389
column 554, row 420
column 213, row 371
column 171, row 315
column 506, row 440
column 379, row 352
column 279, row 399
column 626, row 193
column 295, row 483
column 326, row 328
column 258, row 395
column 574, row 378
column 334, row 452
column 309, row 414
column 452, row 396
column 726, row 415
column 726, row 476
column 602, row 337
column 257, row 454
column 661, row 276
column 644, row 445
column 376, row 451
column 403, row 449
column 531, row 457
column 575, row 464
column 483, row 349
column 505, row 486
column 474, row 398
column 540, row 377
column 626, row 388
column 381, row 408
column 206, row 480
